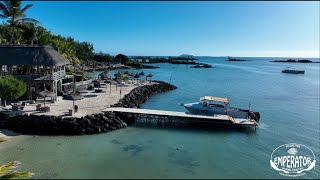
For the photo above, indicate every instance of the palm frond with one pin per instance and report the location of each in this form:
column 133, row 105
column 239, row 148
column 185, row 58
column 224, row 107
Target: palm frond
column 26, row 8
column 10, row 4
column 4, row 9
column 3, row 16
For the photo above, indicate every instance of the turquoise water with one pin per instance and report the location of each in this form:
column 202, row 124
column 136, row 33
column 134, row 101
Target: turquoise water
column 288, row 103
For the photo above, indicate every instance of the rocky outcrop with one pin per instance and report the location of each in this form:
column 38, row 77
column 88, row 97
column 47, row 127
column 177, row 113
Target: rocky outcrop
column 140, row 94
column 90, row 124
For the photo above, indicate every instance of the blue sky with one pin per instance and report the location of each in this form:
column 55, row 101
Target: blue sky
column 287, row 29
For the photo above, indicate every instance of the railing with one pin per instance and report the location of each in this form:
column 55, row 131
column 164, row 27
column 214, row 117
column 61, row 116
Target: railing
column 58, row 75
column 53, row 76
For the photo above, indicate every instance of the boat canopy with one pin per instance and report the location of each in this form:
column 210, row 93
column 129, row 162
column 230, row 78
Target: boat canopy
column 212, row 98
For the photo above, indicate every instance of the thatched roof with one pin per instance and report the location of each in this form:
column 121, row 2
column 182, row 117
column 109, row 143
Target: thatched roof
column 136, row 76
column 46, row 93
column 30, row 55
column 141, row 73
column 149, row 75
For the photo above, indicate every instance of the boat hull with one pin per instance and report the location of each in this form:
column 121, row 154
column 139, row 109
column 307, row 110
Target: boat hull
column 196, row 108
column 293, row 71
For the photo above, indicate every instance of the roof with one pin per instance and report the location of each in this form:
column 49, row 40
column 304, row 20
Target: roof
column 212, row 98
column 11, row 54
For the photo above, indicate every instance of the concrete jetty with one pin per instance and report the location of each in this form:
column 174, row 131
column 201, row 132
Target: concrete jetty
column 160, row 116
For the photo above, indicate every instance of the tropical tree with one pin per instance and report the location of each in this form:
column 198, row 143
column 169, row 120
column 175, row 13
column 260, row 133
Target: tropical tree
column 4, row 38
column 11, row 88
column 29, row 33
column 101, row 57
column 84, row 50
column 123, row 59
column 12, row 11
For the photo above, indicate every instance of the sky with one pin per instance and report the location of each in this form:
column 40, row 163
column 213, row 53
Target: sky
column 172, row 28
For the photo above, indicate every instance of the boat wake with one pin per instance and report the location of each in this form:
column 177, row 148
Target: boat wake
column 263, row 126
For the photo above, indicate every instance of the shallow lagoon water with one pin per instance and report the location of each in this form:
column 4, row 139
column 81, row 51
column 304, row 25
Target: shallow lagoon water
column 288, row 103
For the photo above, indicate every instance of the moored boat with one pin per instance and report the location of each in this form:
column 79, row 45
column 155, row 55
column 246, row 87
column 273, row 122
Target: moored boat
column 292, row 71
column 210, row 105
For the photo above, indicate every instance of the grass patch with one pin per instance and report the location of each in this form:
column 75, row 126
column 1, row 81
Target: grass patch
column 8, row 171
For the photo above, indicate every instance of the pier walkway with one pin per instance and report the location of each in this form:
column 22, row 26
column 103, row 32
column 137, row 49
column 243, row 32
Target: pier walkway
column 161, row 115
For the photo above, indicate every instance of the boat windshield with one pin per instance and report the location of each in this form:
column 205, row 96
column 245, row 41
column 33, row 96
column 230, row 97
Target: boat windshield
column 212, row 103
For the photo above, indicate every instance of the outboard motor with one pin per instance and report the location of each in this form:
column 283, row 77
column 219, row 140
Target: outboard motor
column 254, row 115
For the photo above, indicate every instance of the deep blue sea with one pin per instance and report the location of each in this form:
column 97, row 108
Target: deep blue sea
column 288, row 104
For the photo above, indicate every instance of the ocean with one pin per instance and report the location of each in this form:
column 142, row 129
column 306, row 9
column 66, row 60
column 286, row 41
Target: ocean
column 288, row 104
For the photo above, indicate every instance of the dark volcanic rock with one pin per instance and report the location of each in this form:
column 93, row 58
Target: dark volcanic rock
column 142, row 93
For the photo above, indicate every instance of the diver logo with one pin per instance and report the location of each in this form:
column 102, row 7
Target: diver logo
column 292, row 159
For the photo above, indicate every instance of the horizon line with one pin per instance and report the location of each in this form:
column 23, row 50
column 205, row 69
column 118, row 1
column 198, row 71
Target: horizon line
column 228, row 56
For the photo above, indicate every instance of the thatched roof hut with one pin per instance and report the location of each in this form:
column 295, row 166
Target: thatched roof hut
column 141, row 73
column 136, row 76
column 149, row 75
column 31, row 55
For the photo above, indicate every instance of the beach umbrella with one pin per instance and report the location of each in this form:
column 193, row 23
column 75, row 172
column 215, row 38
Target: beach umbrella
column 141, row 73
column 126, row 72
column 104, row 75
column 117, row 74
column 149, row 76
column 45, row 93
column 74, row 97
column 137, row 76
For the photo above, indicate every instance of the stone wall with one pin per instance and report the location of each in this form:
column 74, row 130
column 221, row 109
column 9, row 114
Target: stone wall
column 140, row 94
column 91, row 124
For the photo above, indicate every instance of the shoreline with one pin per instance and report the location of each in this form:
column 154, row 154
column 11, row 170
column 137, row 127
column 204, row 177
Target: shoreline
column 89, row 124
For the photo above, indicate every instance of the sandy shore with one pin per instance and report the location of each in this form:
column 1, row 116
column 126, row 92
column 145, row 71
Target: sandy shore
column 6, row 134
column 93, row 102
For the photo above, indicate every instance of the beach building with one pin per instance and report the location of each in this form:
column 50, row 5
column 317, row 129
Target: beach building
column 41, row 67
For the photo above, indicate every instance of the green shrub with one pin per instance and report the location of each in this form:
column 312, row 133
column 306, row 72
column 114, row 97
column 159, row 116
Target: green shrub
column 11, row 88
column 70, row 71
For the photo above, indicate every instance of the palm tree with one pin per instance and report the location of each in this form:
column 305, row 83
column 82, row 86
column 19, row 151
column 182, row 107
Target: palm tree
column 15, row 14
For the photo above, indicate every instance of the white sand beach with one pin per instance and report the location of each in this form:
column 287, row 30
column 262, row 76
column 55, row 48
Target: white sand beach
column 93, row 102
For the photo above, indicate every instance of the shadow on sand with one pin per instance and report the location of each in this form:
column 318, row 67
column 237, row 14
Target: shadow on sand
column 8, row 132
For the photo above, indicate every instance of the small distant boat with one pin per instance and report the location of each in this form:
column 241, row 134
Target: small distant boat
column 234, row 59
column 292, row 71
column 210, row 105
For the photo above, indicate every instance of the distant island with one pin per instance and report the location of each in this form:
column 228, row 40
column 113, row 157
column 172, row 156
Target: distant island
column 234, row 59
column 295, row 61
column 187, row 56
column 183, row 59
